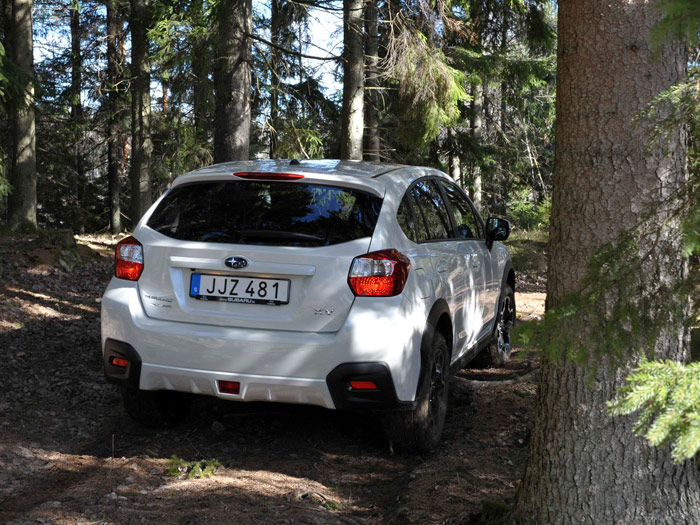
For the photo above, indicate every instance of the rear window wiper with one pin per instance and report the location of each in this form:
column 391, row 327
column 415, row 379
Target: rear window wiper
column 278, row 234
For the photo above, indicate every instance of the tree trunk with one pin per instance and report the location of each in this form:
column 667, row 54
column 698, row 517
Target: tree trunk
column 475, row 124
column 200, row 71
column 141, row 144
column 165, row 101
column 76, row 111
column 22, row 202
column 232, row 81
column 504, row 51
column 353, row 81
column 372, row 140
column 115, row 122
column 454, row 163
column 586, row 467
column 6, row 23
column 275, row 29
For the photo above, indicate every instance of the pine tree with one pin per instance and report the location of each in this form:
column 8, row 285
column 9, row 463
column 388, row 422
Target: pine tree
column 23, row 200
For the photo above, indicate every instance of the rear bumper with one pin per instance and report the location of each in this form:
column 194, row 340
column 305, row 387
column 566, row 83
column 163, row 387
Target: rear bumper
column 270, row 365
column 333, row 392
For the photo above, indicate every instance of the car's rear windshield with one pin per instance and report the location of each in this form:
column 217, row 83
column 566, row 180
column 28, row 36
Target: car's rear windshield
column 266, row 213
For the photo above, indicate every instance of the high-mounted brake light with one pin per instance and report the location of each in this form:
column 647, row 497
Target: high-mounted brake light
column 128, row 259
column 264, row 175
column 379, row 274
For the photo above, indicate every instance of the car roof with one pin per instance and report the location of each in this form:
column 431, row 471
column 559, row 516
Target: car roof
column 356, row 168
column 359, row 174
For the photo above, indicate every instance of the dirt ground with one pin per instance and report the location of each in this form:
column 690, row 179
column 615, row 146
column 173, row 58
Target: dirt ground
column 69, row 454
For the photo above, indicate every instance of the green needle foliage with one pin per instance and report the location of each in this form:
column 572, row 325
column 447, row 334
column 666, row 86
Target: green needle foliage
column 666, row 395
column 681, row 21
column 430, row 90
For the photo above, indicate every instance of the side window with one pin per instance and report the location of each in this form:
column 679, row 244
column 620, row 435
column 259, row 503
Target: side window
column 467, row 224
column 431, row 207
column 405, row 218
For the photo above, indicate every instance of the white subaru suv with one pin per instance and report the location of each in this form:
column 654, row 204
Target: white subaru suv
column 348, row 285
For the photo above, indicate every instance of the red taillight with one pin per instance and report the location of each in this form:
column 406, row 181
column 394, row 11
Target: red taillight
column 120, row 362
column 264, row 175
column 363, row 385
column 128, row 259
column 379, row 274
column 229, row 387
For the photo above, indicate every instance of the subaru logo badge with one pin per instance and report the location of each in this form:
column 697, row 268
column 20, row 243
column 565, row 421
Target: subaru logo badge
column 236, row 262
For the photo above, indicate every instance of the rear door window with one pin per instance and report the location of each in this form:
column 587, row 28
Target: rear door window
column 266, row 213
column 466, row 221
column 430, row 208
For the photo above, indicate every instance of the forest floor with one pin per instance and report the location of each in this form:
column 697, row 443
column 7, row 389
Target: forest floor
column 69, row 454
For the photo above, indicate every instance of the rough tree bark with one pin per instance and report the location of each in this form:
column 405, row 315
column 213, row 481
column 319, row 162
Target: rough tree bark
column 6, row 23
column 276, row 24
column 352, row 126
column 141, row 143
column 115, row 121
column 372, row 140
column 22, row 153
column 454, row 162
column 165, row 100
column 76, row 110
column 586, row 467
column 476, row 130
column 200, row 71
column 232, row 80
column 504, row 50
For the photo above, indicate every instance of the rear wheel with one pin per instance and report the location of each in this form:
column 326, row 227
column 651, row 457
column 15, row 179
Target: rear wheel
column 499, row 349
column 157, row 408
column 420, row 429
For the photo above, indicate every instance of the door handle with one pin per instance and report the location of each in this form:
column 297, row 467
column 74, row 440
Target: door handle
column 441, row 267
column 476, row 263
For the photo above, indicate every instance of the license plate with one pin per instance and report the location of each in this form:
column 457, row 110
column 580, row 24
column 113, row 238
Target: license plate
column 246, row 290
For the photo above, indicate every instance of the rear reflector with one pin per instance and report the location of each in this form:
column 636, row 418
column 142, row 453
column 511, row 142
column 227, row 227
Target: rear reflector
column 120, row 362
column 128, row 259
column 379, row 274
column 363, row 385
column 229, row 387
column 263, row 175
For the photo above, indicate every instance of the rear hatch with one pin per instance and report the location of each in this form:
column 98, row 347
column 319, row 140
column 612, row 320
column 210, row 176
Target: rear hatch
column 271, row 254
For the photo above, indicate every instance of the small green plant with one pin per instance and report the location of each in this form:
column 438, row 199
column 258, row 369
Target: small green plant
column 204, row 468
column 666, row 396
column 332, row 505
column 527, row 215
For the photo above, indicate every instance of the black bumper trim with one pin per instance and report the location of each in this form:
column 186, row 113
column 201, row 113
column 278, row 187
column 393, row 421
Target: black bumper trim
column 129, row 376
column 346, row 398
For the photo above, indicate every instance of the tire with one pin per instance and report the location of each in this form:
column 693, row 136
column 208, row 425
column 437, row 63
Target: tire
column 498, row 350
column 157, row 408
column 420, row 429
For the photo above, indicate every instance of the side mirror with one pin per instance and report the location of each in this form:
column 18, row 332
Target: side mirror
column 496, row 230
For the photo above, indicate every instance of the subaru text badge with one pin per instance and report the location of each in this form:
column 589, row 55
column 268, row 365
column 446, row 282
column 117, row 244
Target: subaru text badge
column 236, row 262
